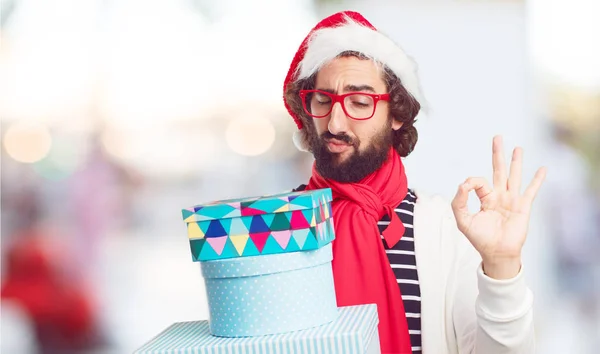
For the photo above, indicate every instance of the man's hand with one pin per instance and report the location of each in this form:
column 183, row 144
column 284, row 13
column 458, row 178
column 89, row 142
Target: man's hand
column 498, row 231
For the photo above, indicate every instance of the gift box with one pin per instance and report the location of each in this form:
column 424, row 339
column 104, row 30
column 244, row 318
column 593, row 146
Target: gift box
column 255, row 296
column 354, row 332
column 288, row 222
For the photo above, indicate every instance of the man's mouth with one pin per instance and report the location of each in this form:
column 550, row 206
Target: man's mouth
column 337, row 146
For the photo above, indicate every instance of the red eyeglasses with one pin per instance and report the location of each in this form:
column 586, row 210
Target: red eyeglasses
column 356, row 105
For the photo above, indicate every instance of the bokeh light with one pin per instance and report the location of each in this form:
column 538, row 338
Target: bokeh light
column 27, row 142
column 250, row 136
column 66, row 155
column 121, row 144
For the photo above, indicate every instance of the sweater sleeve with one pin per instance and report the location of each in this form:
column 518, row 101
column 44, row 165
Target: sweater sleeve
column 491, row 316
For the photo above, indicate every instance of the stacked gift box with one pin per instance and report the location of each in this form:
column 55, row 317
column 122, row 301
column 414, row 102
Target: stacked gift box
column 282, row 223
column 266, row 263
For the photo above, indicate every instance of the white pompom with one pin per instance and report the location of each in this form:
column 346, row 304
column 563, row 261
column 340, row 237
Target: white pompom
column 299, row 140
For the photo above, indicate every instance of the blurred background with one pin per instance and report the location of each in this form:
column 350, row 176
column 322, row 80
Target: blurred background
column 118, row 114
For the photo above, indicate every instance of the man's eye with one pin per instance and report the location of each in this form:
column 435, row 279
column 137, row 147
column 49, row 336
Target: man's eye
column 322, row 99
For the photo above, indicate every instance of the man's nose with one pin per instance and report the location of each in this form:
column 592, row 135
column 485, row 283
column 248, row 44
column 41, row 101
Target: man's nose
column 338, row 121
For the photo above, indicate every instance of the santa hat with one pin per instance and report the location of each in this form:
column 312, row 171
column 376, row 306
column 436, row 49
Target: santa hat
column 348, row 31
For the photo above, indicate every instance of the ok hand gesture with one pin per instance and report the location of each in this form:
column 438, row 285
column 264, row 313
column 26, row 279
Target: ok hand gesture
column 499, row 229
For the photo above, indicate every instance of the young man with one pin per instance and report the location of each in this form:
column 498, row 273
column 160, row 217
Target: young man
column 354, row 95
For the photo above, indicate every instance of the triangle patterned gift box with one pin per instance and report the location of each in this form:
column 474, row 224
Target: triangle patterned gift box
column 281, row 223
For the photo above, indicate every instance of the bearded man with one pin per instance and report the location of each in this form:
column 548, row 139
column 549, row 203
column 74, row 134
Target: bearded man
column 444, row 280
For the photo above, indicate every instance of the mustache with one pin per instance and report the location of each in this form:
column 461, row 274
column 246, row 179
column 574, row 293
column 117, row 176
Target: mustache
column 341, row 137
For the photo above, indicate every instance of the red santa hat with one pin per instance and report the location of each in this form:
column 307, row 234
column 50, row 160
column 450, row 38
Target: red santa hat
column 348, row 31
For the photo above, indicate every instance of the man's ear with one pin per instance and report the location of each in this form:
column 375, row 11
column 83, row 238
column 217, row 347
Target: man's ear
column 396, row 125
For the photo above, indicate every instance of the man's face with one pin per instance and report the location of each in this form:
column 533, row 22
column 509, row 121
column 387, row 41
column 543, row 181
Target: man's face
column 345, row 149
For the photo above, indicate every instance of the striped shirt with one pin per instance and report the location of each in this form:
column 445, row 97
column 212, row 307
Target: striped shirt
column 404, row 264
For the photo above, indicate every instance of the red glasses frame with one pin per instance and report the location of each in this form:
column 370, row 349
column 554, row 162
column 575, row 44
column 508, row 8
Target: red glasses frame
column 340, row 98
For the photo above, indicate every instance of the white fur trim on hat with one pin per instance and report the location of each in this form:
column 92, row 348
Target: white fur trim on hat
column 326, row 44
column 299, row 139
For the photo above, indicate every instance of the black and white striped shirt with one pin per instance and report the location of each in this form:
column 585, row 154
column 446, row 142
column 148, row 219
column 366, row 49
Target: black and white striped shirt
column 404, row 264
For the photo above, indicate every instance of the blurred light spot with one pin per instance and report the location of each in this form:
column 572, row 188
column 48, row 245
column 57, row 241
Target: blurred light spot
column 250, row 136
column 123, row 145
column 170, row 154
column 65, row 157
column 48, row 170
column 27, row 142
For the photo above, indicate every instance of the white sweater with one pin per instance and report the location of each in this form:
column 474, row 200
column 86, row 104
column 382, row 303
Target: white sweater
column 462, row 309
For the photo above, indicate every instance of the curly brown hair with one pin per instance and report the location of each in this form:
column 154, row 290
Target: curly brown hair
column 403, row 107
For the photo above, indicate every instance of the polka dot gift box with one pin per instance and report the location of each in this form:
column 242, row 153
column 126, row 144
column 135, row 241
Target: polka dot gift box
column 253, row 296
column 290, row 222
column 266, row 262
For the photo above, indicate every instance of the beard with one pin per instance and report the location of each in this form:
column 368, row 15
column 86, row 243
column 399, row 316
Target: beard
column 359, row 164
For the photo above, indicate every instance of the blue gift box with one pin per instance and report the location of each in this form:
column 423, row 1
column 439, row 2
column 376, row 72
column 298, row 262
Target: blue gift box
column 287, row 222
column 353, row 332
column 255, row 296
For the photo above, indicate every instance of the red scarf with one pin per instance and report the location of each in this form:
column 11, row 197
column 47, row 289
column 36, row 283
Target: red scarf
column 361, row 269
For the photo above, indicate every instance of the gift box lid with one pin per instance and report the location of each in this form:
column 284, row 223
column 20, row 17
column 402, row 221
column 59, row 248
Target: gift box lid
column 350, row 333
column 263, row 265
column 270, row 204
